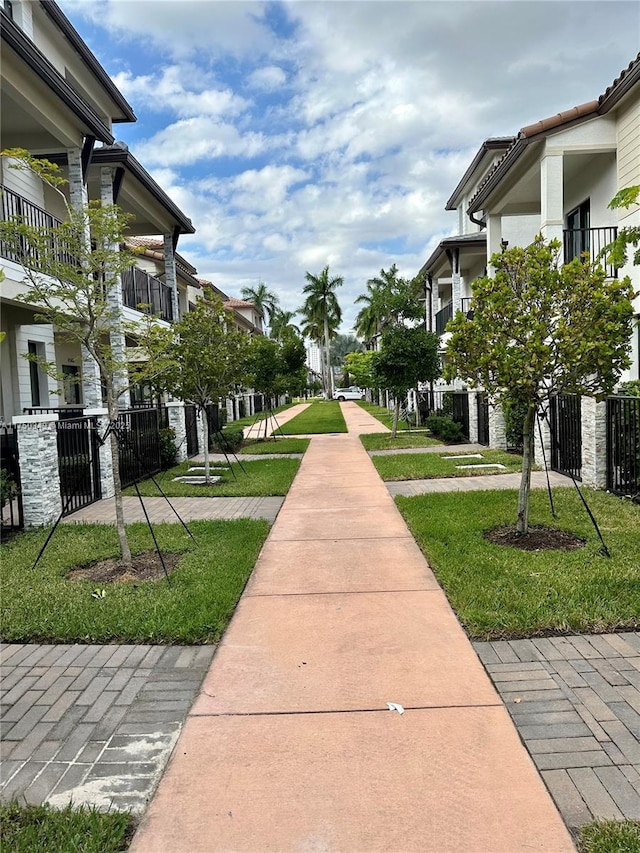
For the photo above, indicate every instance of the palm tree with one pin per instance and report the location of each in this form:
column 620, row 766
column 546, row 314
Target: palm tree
column 322, row 315
column 280, row 322
column 265, row 300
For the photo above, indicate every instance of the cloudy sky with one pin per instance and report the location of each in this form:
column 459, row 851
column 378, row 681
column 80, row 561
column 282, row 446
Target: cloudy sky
column 300, row 134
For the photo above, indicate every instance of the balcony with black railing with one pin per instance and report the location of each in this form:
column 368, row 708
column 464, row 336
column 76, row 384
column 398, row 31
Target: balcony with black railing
column 590, row 242
column 442, row 317
column 147, row 294
column 37, row 244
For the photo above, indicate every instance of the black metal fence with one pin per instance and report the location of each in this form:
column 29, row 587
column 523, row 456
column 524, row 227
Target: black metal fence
column 30, row 253
column 258, row 403
column 78, row 462
column 63, row 412
column 623, row 446
column 482, row 407
column 191, row 426
column 565, row 421
column 138, row 444
column 11, row 517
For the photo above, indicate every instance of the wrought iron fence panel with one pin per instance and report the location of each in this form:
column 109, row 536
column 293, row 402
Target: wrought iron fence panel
column 565, row 420
column 623, row 446
column 78, row 463
column 11, row 517
column 482, row 404
column 191, row 426
column 138, row 445
column 454, row 404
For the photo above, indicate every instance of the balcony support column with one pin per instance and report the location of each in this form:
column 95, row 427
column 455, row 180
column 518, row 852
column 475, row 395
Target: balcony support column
column 116, row 335
column 551, row 197
column 171, row 276
column 494, row 240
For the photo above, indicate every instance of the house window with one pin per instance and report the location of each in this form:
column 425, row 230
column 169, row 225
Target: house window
column 71, row 384
column 34, row 376
column 577, row 235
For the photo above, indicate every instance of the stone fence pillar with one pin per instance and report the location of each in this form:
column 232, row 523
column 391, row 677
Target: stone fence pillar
column 200, row 427
column 497, row 428
column 39, row 474
column 473, row 417
column 175, row 411
column 107, row 489
column 542, row 449
column 594, row 443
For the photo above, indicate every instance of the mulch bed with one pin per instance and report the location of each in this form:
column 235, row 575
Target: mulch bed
column 146, row 567
column 537, row 539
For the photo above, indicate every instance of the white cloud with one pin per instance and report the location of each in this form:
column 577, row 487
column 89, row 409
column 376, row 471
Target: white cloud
column 373, row 112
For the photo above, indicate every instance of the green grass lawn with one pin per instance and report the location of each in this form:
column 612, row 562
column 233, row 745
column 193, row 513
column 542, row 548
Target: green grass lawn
column 610, row 837
column 41, row 829
column 279, row 445
column 428, row 466
column 380, row 414
column 41, row 605
column 321, row 417
column 501, row 592
column 402, row 441
column 264, row 477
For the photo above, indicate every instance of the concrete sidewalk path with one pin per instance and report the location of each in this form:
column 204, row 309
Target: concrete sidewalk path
column 257, row 430
column 359, row 421
column 291, row 746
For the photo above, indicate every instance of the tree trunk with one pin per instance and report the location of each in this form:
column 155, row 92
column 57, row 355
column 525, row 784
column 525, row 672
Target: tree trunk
column 522, row 527
column 327, row 350
column 396, row 416
column 205, row 431
column 125, row 551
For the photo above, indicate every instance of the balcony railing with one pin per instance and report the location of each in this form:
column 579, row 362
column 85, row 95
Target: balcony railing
column 465, row 305
column 31, row 253
column 581, row 241
column 146, row 293
column 442, row 317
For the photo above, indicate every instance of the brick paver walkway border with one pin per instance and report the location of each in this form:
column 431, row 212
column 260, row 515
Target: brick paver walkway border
column 189, row 509
column 575, row 701
column 93, row 724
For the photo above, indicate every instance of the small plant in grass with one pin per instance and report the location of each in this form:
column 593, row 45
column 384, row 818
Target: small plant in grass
column 168, row 449
column 42, row 829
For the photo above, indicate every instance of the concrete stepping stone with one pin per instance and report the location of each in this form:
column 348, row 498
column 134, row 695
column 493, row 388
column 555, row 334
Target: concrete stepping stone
column 464, row 456
column 197, row 481
column 212, row 468
column 484, row 465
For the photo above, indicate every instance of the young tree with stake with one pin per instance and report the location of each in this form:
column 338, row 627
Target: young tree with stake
column 538, row 328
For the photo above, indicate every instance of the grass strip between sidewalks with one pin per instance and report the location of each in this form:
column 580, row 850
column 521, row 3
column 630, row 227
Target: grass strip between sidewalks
column 321, row 417
column 501, row 592
column 428, row 466
column 277, row 445
column 403, row 441
column 42, row 606
column 263, row 478
column 42, row 829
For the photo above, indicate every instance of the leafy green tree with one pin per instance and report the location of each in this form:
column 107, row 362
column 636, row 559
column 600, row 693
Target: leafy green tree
column 539, row 328
column 210, row 359
column 406, row 357
column 359, row 365
column 322, row 315
column 390, row 300
column 275, row 368
column 340, row 346
column 617, row 252
column 72, row 271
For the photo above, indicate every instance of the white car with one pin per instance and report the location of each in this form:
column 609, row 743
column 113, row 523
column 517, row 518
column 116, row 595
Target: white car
column 352, row 393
